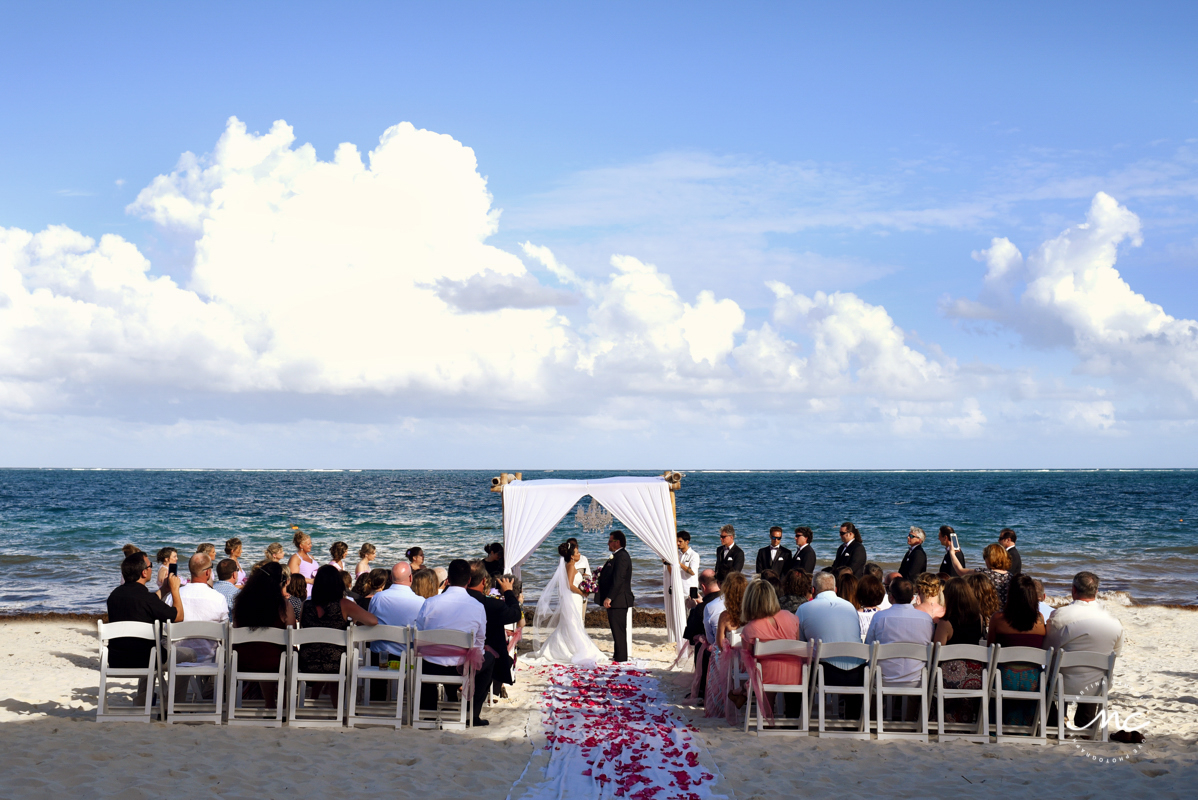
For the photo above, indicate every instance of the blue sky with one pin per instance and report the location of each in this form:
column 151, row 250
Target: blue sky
column 862, row 151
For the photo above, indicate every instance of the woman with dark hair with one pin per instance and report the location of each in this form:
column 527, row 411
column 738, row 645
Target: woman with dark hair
column 796, row 590
column 337, row 554
column 494, row 560
column 296, row 591
column 868, row 599
column 166, row 557
column 415, row 556
column 1019, row 624
column 771, row 577
column 328, row 607
column 960, row 624
column 262, row 603
column 846, row 588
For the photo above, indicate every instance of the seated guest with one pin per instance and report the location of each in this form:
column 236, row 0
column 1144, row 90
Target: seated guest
column 765, row 621
column 1019, row 624
column 695, row 628
column 771, row 577
column 996, row 569
column 987, row 597
column 202, row 603
column 226, row 580
column 166, row 557
column 960, row 624
column 380, row 578
column 1045, row 609
column 362, row 590
column 829, row 618
column 337, row 553
column 846, row 588
column 262, row 604
column 727, row 638
column 297, row 590
column 927, row 595
column 1084, row 625
column 714, row 607
column 915, row 560
column 133, row 602
column 500, row 611
column 365, row 556
column 730, row 621
column 873, row 569
column 424, row 583
column 328, row 607
column 796, row 590
column 869, row 600
column 902, row 622
column 442, row 578
column 454, row 609
column 348, row 583
column 397, row 605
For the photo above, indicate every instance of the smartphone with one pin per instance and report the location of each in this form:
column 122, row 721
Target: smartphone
column 694, row 592
column 173, row 569
column 952, row 537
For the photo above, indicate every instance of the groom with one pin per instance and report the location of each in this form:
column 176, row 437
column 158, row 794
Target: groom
column 615, row 593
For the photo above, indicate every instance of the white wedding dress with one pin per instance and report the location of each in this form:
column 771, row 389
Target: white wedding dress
column 560, row 614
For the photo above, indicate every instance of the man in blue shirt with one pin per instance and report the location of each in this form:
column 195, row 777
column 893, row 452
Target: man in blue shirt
column 396, row 605
column 828, row 618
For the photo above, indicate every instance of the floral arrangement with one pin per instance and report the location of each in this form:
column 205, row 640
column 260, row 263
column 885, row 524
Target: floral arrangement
column 589, row 585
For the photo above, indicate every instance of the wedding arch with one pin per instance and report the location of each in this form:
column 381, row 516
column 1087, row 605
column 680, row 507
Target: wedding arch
column 532, row 509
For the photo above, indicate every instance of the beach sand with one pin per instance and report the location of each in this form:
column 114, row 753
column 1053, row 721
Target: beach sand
column 49, row 741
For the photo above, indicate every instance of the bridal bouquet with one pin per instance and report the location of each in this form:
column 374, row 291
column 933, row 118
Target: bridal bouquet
column 589, row 585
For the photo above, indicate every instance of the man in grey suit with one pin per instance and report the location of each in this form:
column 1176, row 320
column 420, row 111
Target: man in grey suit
column 615, row 593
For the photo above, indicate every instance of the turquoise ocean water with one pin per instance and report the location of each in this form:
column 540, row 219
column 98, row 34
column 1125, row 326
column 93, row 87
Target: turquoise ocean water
column 61, row 531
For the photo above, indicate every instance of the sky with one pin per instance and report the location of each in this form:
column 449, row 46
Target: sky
column 524, row 236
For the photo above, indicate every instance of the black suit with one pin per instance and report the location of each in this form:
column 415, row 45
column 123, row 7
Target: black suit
column 946, row 565
column 850, row 555
column 500, row 612
column 1016, row 562
column 779, row 563
column 731, row 557
column 804, row 559
column 615, row 584
column 915, row 562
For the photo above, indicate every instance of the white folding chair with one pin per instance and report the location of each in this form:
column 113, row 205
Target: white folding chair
column 149, row 673
column 434, row 718
column 198, row 710
column 1099, row 729
column 828, row 650
column 379, row 712
column 782, row 725
column 971, row 732
column 1034, row 733
column 301, row 714
column 256, row 713
column 904, row 691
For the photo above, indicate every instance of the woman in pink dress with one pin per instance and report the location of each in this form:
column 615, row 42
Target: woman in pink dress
column 765, row 621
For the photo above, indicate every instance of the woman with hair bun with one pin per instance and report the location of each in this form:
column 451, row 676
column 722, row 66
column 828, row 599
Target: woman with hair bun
column 415, row 557
column 365, row 556
column 301, row 562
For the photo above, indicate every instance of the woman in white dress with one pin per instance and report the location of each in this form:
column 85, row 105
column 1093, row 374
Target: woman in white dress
column 559, row 612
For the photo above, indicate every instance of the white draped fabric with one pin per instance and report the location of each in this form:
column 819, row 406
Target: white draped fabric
column 532, row 509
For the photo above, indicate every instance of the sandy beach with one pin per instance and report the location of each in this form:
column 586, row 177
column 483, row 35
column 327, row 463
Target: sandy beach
column 50, row 743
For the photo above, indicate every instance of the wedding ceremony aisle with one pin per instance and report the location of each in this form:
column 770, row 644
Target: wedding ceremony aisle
column 607, row 733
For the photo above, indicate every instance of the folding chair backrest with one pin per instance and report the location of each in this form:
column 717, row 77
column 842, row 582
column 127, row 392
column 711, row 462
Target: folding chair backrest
column 964, row 652
column 1086, row 658
column 922, row 652
column 126, row 630
column 380, row 633
column 782, row 647
column 177, row 631
column 443, row 636
column 845, row 650
column 271, row 635
column 320, row 636
column 1029, row 655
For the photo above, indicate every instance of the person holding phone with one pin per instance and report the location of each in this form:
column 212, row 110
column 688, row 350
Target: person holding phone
column 688, row 565
column 948, row 538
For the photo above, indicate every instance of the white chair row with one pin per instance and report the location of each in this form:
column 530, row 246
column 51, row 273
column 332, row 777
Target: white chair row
column 876, row 693
column 213, row 691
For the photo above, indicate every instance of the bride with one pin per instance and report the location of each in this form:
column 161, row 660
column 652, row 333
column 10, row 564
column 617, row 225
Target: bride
column 560, row 611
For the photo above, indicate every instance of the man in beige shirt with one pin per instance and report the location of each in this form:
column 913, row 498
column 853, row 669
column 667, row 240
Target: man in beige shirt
column 1084, row 625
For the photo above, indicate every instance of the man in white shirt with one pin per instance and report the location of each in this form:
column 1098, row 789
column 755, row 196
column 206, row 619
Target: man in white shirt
column 688, row 564
column 1084, row 625
column 396, row 605
column 453, row 609
column 201, row 603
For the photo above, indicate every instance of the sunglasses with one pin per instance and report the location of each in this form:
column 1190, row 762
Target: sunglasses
column 775, row 538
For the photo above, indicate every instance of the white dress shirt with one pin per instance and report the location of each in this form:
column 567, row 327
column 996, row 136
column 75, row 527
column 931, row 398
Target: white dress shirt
column 201, row 603
column 1084, row 625
column 690, row 560
column 582, row 565
column 397, row 605
column 453, row 609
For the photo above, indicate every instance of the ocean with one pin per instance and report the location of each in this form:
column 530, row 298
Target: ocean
column 61, row 531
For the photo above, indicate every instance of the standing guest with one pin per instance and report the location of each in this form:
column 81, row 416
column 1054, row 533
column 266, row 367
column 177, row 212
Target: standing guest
column 729, row 555
column 226, row 580
column 868, row 597
column 927, row 595
column 274, row 552
column 829, row 618
column 415, row 556
column 581, row 565
column 365, row 556
column 987, row 597
column 302, row 562
column 424, row 583
column 873, row 569
column 996, row 569
column 133, row 602
column 1006, row 538
column 804, row 555
column 208, row 549
column 130, row 549
column 494, row 559
column 695, row 631
column 946, row 539
column 1084, row 625
column 166, row 557
column 961, row 624
column 328, row 607
column 1045, row 609
column 900, row 623
column 337, row 554
column 500, row 612
column 1019, row 624
column 396, row 605
column 454, row 610
column 262, row 603
column 915, row 561
column 796, row 590
column 765, row 621
column 851, row 552
column 233, row 550
column 688, row 566
column 297, row 590
column 774, row 556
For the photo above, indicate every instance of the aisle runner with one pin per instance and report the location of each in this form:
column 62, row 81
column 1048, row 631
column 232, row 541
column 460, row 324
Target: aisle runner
column 608, row 733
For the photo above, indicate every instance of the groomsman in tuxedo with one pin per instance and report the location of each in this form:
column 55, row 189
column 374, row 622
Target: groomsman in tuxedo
column 946, row 539
column 615, row 594
column 1006, row 537
column 804, row 556
column 916, row 560
column 851, row 552
column 728, row 555
column 775, row 557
